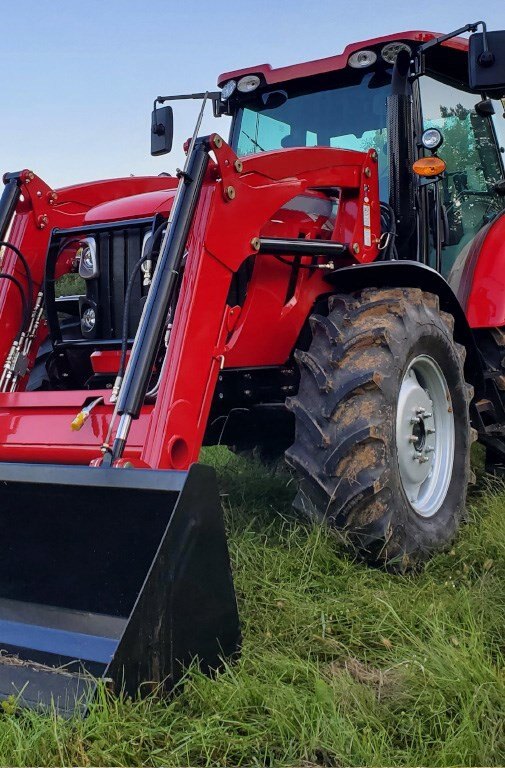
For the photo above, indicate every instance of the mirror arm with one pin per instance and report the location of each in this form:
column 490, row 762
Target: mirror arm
column 214, row 96
column 486, row 54
column 467, row 28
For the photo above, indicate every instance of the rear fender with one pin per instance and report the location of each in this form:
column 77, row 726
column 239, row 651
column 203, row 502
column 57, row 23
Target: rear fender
column 478, row 276
column 412, row 274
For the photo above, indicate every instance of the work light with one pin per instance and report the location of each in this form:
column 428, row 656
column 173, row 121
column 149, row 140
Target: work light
column 248, row 83
column 432, row 139
column 228, row 90
column 362, row 59
column 391, row 51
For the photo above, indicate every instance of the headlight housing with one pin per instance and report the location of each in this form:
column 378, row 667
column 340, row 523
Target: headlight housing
column 87, row 258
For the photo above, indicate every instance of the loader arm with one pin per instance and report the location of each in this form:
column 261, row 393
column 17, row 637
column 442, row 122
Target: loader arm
column 226, row 231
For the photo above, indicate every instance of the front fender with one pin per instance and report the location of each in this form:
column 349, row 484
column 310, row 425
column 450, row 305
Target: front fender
column 412, row 274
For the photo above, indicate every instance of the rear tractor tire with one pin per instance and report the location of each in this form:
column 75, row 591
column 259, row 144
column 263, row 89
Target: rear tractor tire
column 382, row 426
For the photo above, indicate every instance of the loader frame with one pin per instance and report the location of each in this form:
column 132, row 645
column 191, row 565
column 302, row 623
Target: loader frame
column 226, row 230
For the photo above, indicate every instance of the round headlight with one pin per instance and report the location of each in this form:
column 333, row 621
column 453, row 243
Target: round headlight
column 88, row 320
column 432, row 139
column 362, row 59
column 248, row 83
column 228, row 89
column 391, row 51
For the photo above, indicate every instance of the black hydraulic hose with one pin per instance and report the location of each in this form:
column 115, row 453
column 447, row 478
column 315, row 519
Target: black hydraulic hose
column 293, row 263
column 29, row 278
column 25, row 318
column 126, row 310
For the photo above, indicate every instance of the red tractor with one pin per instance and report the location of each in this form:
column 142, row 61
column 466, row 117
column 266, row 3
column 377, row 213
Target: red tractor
column 329, row 284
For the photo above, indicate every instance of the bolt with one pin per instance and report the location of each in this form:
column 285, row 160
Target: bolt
column 255, row 243
column 427, row 415
column 415, row 420
column 367, row 172
column 373, row 155
column 430, row 431
column 423, row 459
column 355, row 247
column 218, row 142
column 413, row 439
column 429, row 449
column 238, row 166
column 230, row 192
column 420, row 411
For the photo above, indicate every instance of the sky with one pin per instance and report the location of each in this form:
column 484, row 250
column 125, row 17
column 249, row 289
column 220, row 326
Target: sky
column 78, row 77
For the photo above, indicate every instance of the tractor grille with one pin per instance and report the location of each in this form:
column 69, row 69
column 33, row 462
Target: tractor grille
column 118, row 250
column 119, row 247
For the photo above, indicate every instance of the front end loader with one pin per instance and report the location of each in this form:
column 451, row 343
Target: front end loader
column 326, row 285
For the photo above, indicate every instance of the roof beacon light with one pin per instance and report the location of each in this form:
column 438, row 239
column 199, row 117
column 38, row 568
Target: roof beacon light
column 248, row 83
column 391, row 51
column 362, row 59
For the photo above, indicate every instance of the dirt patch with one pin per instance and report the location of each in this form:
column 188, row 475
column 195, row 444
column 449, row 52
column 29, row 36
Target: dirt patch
column 384, row 682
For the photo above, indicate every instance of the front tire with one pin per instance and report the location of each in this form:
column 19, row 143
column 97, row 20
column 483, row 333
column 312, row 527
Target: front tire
column 382, row 442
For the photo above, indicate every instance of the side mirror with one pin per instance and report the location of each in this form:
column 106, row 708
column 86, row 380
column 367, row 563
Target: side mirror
column 162, row 130
column 486, row 62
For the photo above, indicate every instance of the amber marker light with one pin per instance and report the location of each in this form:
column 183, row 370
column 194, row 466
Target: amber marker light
column 429, row 166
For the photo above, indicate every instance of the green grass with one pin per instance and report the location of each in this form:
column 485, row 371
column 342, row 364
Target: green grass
column 341, row 664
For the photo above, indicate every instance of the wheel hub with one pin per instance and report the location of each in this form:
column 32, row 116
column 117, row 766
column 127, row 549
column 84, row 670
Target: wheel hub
column 425, row 435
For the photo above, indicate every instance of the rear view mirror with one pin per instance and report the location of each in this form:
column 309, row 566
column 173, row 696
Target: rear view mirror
column 486, row 62
column 162, row 130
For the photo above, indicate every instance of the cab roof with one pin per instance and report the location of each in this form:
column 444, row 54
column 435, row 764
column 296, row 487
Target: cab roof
column 272, row 76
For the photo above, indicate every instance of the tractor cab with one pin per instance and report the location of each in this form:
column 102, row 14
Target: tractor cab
column 343, row 101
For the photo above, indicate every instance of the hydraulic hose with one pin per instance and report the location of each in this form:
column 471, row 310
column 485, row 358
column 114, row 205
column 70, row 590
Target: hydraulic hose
column 28, row 272
column 26, row 311
column 126, row 311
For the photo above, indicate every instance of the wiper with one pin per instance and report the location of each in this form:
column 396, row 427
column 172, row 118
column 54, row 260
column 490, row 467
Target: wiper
column 253, row 141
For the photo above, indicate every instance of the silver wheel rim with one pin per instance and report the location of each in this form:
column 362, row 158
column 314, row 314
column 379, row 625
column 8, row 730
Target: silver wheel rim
column 425, row 435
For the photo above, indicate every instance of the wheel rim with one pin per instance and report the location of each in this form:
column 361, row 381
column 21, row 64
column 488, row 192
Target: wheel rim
column 425, row 435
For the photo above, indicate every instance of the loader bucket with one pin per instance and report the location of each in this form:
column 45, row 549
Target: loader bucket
column 119, row 574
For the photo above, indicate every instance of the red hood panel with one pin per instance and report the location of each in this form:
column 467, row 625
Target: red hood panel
column 132, row 207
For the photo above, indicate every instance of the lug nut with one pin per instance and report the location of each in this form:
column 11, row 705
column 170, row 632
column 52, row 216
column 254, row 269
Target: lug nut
column 430, row 431
column 415, row 420
column 413, row 439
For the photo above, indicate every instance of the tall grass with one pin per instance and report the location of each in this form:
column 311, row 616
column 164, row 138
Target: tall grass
column 341, row 664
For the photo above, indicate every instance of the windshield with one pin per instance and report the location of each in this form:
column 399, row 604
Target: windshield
column 350, row 116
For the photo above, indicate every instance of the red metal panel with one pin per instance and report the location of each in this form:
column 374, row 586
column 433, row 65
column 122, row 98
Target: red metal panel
column 482, row 288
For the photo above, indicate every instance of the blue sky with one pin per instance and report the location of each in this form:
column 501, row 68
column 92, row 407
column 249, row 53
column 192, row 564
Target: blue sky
column 78, row 77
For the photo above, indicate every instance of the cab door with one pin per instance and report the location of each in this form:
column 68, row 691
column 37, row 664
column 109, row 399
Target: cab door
column 474, row 165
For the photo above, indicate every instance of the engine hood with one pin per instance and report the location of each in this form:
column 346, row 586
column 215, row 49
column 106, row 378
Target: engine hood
column 132, row 207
